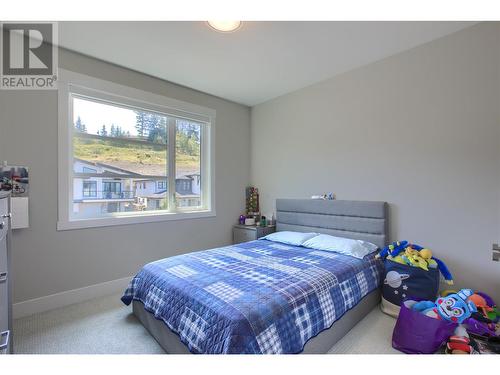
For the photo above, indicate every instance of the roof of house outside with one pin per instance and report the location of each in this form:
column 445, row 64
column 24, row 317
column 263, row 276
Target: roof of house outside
column 133, row 170
column 103, row 165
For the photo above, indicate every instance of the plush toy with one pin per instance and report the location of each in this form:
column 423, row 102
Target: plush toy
column 393, row 249
column 432, row 263
column 426, row 254
column 487, row 298
column 454, row 307
column 416, row 256
column 481, row 328
column 415, row 259
column 481, row 304
column 494, row 315
column 491, row 310
column 459, row 345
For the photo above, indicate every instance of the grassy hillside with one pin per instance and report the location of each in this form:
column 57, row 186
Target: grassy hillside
column 123, row 152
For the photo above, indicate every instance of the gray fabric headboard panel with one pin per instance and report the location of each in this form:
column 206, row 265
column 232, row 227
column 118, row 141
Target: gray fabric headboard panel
column 360, row 220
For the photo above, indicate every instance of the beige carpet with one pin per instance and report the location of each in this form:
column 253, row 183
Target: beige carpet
column 106, row 326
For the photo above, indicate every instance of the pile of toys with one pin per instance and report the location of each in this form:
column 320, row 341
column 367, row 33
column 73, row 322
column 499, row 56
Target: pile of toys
column 476, row 314
column 466, row 321
column 414, row 255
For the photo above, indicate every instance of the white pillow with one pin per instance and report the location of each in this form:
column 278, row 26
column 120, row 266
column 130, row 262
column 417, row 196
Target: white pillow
column 289, row 237
column 354, row 248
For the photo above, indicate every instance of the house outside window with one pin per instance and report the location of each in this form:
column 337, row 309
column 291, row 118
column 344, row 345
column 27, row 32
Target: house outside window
column 132, row 145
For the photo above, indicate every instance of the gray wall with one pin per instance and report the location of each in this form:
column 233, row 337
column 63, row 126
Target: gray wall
column 419, row 130
column 46, row 261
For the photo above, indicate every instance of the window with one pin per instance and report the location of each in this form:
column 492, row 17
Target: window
column 132, row 145
column 161, row 185
column 113, row 190
column 188, row 148
column 89, row 189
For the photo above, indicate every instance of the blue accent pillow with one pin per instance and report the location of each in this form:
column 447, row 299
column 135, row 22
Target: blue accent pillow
column 346, row 246
column 289, row 237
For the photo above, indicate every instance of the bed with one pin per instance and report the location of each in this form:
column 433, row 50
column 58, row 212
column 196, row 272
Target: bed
column 263, row 296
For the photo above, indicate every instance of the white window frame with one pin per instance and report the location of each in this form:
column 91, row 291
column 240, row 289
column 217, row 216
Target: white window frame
column 94, row 88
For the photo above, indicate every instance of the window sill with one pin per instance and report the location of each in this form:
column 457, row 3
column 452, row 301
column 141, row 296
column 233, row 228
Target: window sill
column 132, row 219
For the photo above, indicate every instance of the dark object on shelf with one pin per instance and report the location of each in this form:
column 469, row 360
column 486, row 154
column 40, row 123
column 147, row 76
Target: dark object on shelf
column 263, row 221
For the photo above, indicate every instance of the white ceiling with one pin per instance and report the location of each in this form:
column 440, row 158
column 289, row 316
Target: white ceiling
column 260, row 61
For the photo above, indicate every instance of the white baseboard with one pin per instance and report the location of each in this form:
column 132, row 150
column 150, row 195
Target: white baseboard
column 68, row 297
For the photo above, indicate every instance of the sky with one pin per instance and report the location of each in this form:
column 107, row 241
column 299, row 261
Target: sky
column 94, row 115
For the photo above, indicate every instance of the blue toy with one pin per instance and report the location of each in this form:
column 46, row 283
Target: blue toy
column 453, row 308
column 393, row 249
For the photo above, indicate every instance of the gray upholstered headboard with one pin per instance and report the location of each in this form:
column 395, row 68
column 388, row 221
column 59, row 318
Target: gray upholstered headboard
column 360, row 220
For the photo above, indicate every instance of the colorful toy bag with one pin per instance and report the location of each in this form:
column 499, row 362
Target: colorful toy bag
column 416, row 333
column 402, row 280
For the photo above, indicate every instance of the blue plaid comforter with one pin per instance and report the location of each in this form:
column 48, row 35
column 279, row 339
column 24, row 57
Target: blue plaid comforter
column 254, row 297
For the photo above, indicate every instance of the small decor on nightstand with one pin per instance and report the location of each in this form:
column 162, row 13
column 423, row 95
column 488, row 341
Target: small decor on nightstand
column 252, row 226
column 252, row 202
column 250, row 221
column 263, row 221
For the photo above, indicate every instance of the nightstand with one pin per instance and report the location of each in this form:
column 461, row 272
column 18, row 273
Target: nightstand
column 245, row 233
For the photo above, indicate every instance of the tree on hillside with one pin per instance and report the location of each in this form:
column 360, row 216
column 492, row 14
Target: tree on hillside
column 103, row 132
column 140, row 123
column 151, row 126
column 80, row 126
column 190, row 129
column 117, row 131
column 188, row 138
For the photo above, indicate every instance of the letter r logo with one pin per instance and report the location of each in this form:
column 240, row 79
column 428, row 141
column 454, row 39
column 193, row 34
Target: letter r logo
column 27, row 49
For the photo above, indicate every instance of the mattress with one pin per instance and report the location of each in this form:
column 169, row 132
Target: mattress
column 254, row 297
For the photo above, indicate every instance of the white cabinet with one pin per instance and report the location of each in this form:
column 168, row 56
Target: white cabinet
column 245, row 233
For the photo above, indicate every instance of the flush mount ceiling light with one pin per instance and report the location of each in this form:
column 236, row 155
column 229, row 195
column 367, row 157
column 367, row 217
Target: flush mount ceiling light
column 225, row 26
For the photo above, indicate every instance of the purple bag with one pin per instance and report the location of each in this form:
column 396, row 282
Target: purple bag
column 416, row 333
